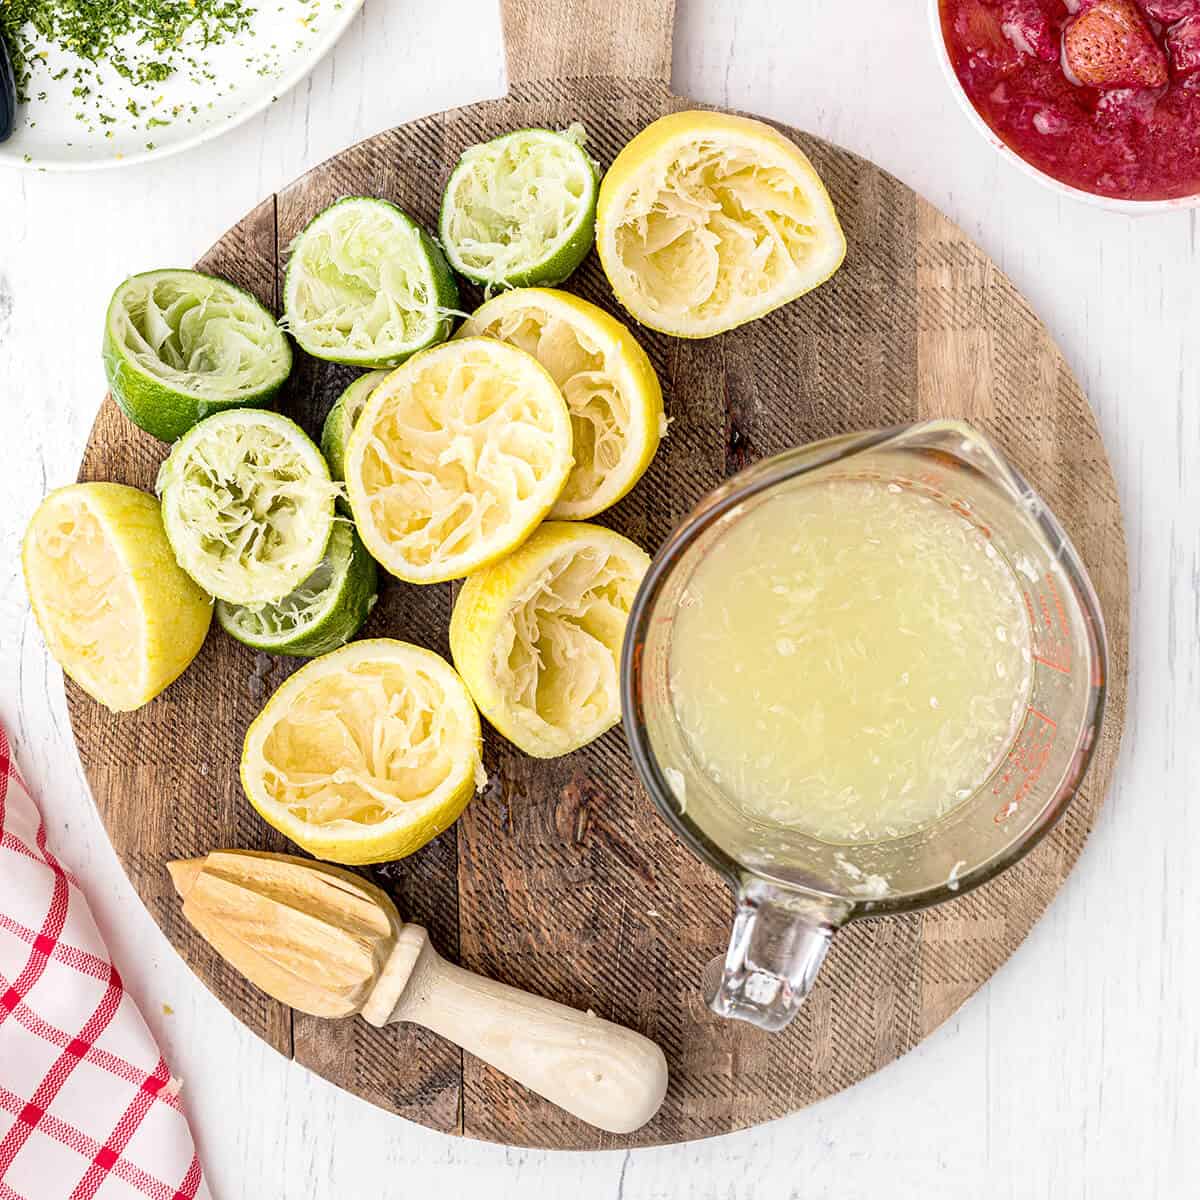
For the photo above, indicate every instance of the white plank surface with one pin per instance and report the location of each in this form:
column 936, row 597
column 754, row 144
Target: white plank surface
column 1076, row 1072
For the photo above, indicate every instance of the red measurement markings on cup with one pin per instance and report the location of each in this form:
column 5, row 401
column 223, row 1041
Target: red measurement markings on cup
column 1024, row 763
column 1048, row 622
column 1031, row 751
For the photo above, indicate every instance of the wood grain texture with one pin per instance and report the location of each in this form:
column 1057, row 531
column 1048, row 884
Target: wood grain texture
column 569, row 39
column 561, row 878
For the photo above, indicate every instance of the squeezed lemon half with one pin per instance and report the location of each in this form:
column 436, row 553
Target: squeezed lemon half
column 365, row 754
column 118, row 615
column 455, row 459
column 706, row 221
column 537, row 637
column 611, row 389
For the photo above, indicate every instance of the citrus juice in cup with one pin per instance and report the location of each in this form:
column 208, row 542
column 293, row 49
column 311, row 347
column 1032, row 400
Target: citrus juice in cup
column 864, row 676
column 851, row 659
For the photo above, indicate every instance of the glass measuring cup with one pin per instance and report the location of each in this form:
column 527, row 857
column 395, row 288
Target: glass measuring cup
column 792, row 891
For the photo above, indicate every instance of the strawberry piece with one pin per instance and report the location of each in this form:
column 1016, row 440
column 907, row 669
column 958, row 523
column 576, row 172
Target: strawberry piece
column 1169, row 11
column 1026, row 25
column 1109, row 45
column 1183, row 45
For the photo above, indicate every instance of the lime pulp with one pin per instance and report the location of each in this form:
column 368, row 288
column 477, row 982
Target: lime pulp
column 179, row 346
column 247, row 505
column 367, row 286
column 520, row 210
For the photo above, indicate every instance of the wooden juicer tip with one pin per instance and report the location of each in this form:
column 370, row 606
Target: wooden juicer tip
column 327, row 942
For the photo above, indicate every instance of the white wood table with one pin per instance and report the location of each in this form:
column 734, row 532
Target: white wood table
column 1076, row 1071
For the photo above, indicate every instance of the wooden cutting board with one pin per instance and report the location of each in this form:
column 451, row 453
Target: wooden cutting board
column 560, row 877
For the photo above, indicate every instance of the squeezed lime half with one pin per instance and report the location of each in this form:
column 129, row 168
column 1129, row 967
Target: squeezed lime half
column 180, row 346
column 367, row 286
column 247, row 505
column 323, row 613
column 520, row 210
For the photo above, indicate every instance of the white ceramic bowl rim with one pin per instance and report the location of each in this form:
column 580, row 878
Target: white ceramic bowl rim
column 319, row 47
column 1111, row 203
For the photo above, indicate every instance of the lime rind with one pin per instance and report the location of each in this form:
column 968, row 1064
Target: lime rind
column 367, row 286
column 520, row 210
column 320, row 615
column 340, row 421
column 247, row 505
column 180, row 345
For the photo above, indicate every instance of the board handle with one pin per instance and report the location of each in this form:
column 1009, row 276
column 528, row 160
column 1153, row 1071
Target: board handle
column 548, row 39
column 600, row 1072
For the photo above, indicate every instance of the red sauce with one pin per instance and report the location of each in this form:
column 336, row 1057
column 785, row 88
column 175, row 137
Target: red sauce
column 1131, row 142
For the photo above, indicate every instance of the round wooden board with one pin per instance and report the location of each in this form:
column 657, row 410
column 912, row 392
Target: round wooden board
column 560, row 877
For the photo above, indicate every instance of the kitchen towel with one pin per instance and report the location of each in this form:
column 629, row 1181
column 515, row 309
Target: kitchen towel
column 88, row 1107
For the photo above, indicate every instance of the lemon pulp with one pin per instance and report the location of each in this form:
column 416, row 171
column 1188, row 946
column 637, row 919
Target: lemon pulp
column 365, row 754
column 610, row 387
column 537, row 637
column 90, row 601
column 456, row 458
column 706, row 221
column 117, row 613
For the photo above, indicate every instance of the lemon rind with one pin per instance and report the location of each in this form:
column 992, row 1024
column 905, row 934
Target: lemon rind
column 623, row 358
column 661, row 142
column 419, row 820
column 483, row 614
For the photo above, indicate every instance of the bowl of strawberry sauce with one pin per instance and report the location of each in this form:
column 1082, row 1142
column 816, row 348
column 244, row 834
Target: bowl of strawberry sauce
column 1100, row 98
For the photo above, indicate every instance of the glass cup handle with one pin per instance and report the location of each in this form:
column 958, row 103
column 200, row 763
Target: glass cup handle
column 779, row 941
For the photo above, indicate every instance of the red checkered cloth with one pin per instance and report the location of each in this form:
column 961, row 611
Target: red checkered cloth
column 88, row 1108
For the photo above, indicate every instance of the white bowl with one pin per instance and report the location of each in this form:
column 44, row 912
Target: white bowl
column 253, row 71
column 1128, row 207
